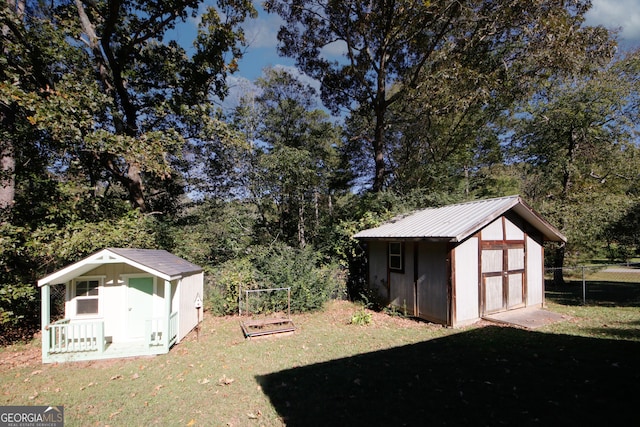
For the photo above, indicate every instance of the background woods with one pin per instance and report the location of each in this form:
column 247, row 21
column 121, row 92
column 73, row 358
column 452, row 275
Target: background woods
column 112, row 134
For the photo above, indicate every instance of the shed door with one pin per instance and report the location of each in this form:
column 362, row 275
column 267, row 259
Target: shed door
column 502, row 267
column 140, row 305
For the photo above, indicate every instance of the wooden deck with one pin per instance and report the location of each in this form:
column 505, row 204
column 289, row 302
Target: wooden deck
column 262, row 327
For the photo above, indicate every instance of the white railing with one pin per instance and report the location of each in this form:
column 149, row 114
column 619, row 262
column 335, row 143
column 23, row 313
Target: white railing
column 173, row 328
column 155, row 330
column 67, row 337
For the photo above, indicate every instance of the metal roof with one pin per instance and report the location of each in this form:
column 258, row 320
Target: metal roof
column 457, row 222
column 153, row 261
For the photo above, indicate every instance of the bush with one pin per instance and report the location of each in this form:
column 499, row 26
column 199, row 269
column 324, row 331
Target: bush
column 312, row 282
column 18, row 319
column 361, row 317
column 224, row 284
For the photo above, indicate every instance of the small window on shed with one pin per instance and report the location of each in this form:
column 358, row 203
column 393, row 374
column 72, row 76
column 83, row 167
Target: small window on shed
column 86, row 295
column 396, row 260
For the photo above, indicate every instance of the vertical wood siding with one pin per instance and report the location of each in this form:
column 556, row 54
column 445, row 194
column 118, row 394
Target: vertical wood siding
column 433, row 281
column 466, row 281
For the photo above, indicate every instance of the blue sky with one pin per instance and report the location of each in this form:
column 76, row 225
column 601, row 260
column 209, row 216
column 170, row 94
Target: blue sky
column 261, row 33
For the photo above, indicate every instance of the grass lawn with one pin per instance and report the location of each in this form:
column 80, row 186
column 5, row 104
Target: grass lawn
column 392, row 372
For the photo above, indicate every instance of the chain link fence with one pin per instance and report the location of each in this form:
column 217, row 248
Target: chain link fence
column 604, row 285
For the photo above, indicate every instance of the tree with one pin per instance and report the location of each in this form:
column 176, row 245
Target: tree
column 576, row 140
column 390, row 46
column 295, row 156
column 96, row 106
column 121, row 102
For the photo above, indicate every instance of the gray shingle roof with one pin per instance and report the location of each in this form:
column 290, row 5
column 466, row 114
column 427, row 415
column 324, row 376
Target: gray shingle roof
column 157, row 262
column 457, row 222
column 160, row 260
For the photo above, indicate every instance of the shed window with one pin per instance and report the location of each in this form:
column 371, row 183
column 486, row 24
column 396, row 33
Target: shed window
column 87, row 294
column 396, row 260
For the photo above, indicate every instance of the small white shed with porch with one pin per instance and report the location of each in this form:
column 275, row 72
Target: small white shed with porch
column 121, row 303
column 455, row 264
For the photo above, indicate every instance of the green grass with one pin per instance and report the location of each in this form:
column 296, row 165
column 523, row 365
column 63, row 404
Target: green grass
column 394, row 371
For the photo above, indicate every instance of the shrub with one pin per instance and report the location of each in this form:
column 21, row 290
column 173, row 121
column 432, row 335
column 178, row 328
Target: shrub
column 312, row 282
column 361, row 317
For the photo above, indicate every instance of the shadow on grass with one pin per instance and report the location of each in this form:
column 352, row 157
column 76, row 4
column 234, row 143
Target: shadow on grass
column 489, row 376
column 598, row 293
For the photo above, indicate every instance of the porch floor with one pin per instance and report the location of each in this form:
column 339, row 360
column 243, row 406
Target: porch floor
column 111, row 351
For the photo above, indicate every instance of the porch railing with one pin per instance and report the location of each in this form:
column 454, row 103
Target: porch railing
column 155, row 330
column 67, row 337
column 173, row 328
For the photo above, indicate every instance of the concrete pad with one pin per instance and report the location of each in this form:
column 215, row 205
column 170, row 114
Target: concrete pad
column 530, row 318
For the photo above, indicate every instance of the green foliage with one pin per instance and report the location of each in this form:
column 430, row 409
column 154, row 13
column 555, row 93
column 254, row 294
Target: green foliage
column 361, row 317
column 225, row 282
column 456, row 60
column 277, row 266
column 18, row 320
column 294, row 160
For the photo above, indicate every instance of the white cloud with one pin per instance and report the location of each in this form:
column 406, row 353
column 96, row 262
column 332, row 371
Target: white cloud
column 263, row 31
column 300, row 76
column 338, row 48
column 618, row 14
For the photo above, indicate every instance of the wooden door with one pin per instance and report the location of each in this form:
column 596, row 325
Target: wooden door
column 502, row 255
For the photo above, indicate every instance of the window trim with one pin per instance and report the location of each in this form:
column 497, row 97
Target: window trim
column 392, row 256
column 75, row 297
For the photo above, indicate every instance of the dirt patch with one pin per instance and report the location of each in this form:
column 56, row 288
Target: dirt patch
column 28, row 356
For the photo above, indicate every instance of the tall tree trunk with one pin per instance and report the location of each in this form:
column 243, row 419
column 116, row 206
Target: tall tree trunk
column 7, row 148
column 302, row 242
column 110, row 75
column 378, row 146
column 7, row 164
column 136, row 187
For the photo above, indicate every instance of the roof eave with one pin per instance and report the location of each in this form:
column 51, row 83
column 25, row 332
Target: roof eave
column 104, row 256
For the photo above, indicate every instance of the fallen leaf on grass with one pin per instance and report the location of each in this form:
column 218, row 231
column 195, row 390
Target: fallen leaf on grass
column 158, row 387
column 116, row 377
column 35, row 394
column 135, row 376
column 255, row 416
column 113, row 414
column 36, row 372
column 192, row 422
column 88, row 385
column 225, row 381
column 203, row 381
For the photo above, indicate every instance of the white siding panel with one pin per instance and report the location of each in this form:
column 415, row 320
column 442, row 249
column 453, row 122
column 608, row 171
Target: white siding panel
column 492, row 260
column 493, row 231
column 516, row 258
column 493, row 294
column 189, row 288
column 466, row 281
column 513, row 232
column 515, row 290
column 535, row 280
